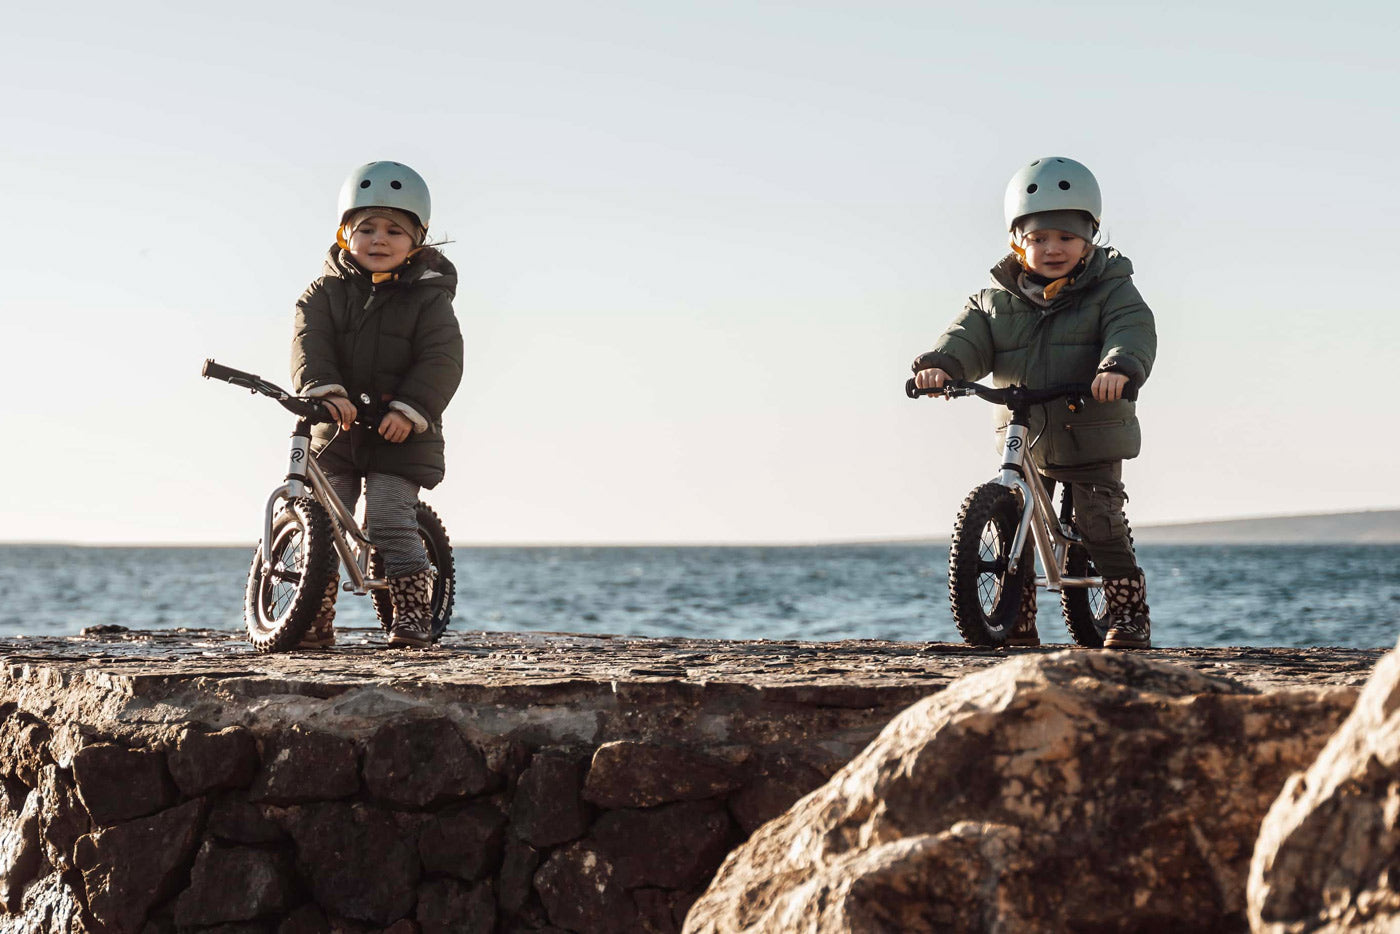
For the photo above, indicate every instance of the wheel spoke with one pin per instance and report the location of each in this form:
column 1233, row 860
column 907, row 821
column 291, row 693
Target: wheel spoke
column 280, row 593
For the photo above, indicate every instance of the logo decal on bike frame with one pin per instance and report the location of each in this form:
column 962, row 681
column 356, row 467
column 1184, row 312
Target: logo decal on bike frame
column 297, row 455
column 1013, row 444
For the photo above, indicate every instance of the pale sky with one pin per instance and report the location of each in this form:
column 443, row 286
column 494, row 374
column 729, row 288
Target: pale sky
column 699, row 244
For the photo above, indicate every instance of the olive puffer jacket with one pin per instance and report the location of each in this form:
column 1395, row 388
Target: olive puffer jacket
column 1097, row 323
column 395, row 341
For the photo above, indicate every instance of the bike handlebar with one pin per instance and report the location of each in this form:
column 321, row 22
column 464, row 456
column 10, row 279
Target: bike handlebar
column 1014, row 397
column 302, row 406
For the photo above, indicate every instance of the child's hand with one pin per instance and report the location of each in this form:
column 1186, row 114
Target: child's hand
column 342, row 409
column 1108, row 387
column 932, row 378
column 395, row 427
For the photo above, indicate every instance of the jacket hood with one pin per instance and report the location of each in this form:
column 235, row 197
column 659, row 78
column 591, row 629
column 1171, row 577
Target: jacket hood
column 1104, row 263
column 427, row 267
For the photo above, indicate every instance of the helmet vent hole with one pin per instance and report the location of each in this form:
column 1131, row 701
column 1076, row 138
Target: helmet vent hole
column 1064, row 185
column 364, row 184
column 1031, row 190
column 396, row 184
column 1036, row 162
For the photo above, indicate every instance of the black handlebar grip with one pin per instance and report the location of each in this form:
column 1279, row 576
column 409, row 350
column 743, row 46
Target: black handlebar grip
column 910, row 389
column 228, row 374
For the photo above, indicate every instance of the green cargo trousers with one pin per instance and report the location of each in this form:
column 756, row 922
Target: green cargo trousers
column 1098, row 495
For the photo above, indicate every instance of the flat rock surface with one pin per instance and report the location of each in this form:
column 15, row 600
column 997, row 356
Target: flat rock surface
column 506, row 659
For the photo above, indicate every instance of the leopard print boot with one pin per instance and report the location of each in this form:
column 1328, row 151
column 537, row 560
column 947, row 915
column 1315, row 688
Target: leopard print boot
column 1024, row 634
column 1127, row 608
column 412, row 596
column 321, row 633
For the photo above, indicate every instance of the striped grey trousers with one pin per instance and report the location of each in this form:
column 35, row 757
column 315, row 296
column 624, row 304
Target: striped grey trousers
column 390, row 520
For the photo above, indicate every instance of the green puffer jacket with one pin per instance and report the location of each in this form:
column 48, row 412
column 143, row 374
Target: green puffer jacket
column 394, row 341
column 1097, row 323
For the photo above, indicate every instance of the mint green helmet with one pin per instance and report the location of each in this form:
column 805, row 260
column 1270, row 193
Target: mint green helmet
column 385, row 185
column 1053, row 183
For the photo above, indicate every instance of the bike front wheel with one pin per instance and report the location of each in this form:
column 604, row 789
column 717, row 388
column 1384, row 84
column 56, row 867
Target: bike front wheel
column 439, row 548
column 985, row 596
column 282, row 600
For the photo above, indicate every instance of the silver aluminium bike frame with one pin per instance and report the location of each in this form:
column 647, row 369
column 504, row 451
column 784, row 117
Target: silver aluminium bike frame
column 1038, row 519
column 302, row 470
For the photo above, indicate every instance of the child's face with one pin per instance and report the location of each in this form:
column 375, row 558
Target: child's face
column 1053, row 253
column 379, row 245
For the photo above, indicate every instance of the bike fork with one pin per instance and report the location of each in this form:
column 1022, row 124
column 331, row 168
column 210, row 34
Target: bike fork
column 293, row 488
column 1013, row 476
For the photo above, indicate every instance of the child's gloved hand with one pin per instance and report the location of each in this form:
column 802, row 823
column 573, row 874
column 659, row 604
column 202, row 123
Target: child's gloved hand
column 932, row 378
column 1108, row 387
column 395, row 427
column 342, row 409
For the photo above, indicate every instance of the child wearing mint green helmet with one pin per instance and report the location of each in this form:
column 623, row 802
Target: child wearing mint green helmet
column 376, row 333
column 1063, row 309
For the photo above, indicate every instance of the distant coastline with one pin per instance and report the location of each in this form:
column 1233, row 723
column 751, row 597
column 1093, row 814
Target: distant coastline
column 1372, row 527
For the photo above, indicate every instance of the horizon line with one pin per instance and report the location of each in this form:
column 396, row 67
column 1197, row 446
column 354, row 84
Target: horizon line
column 765, row 543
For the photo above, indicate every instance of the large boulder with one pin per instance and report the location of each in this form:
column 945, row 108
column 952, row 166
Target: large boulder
column 1078, row 790
column 1329, row 847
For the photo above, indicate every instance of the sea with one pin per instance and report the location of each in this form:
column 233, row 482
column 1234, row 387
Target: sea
column 1201, row 595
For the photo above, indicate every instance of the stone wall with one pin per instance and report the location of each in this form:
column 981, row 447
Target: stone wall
column 368, row 791
column 177, row 782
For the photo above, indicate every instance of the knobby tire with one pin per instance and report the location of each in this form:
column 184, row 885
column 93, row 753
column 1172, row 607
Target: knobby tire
column 1087, row 624
column 984, row 597
column 439, row 548
column 279, row 612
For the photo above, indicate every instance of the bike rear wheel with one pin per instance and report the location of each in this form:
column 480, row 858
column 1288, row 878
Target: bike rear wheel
column 1084, row 608
column 985, row 597
column 281, row 602
column 439, row 548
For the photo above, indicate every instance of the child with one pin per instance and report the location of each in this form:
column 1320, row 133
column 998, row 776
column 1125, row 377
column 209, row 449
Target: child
column 377, row 331
column 1064, row 310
